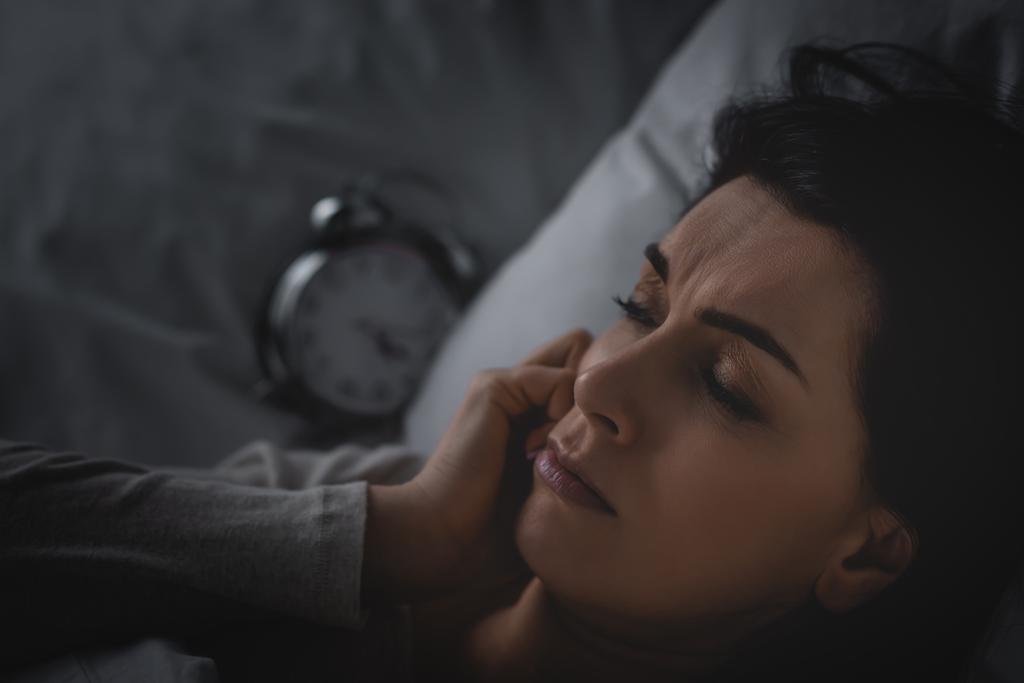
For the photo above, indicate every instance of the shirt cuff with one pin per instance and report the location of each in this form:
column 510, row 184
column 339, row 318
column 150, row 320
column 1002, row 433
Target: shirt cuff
column 340, row 558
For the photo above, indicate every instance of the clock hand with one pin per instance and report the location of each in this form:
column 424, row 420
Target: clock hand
column 386, row 338
column 390, row 349
column 420, row 330
column 384, row 342
column 364, row 325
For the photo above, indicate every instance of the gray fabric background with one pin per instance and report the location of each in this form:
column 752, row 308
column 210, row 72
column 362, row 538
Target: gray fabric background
column 158, row 161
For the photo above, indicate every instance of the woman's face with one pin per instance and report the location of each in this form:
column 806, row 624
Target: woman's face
column 725, row 436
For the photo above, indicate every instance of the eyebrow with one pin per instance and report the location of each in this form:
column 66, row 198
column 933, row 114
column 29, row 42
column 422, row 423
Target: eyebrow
column 756, row 335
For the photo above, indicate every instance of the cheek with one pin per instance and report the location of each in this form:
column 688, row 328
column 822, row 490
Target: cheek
column 566, row 547
column 730, row 529
column 714, row 528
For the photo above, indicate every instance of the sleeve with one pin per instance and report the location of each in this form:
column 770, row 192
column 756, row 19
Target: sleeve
column 94, row 548
column 262, row 463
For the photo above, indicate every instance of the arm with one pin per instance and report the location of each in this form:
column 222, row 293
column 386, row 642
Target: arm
column 91, row 549
column 94, row 548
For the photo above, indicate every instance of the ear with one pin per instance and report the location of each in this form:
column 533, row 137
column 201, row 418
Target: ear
column 874, row 556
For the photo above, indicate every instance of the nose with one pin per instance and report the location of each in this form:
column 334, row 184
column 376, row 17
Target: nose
column 613, row 393
column 604, row 410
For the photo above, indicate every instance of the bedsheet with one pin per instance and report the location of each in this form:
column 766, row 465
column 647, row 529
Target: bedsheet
column 158, row 161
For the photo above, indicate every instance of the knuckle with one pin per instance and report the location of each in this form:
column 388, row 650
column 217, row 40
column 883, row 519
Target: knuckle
column 485, row 380
column 580, row 334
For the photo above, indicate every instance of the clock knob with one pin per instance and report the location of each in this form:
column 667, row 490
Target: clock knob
column 323, row 212
column 355, row 208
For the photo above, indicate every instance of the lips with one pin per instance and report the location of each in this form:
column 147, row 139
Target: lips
column 567, row 479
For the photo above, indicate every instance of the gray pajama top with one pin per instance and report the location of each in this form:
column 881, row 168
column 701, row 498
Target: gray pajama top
column 106, row 565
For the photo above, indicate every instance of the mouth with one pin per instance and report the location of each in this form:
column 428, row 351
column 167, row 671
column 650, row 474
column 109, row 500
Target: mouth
column 566, row 479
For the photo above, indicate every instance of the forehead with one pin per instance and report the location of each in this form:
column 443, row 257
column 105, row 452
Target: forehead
column 741, row 251
column 741, row 222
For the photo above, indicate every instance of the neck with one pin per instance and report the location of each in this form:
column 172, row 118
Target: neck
column 534, row 638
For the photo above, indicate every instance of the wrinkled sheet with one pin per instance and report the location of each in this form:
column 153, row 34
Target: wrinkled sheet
column 158, row 161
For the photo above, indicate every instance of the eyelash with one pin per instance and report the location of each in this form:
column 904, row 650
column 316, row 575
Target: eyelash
column 740, row 407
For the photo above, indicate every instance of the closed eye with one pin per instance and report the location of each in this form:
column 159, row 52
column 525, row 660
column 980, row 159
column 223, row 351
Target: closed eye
column 738, row 405
column 635, row 311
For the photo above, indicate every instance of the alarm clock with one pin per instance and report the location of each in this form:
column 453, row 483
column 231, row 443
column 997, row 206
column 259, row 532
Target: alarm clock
column 354, row 321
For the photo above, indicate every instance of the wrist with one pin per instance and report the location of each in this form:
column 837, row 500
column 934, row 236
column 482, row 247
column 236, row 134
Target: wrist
column 401, row 551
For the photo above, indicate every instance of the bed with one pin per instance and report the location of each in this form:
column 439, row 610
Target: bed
column 159, row 164
column 156, row 160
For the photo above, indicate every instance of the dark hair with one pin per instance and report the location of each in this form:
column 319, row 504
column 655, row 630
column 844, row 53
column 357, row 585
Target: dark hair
column 919, row 173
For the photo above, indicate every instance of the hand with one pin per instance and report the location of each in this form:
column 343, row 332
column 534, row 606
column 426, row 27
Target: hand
column 453, row 523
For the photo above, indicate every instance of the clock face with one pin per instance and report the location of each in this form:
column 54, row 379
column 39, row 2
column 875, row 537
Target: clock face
column 363, row 324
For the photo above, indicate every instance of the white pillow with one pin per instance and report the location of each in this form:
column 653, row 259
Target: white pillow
column 632, row 193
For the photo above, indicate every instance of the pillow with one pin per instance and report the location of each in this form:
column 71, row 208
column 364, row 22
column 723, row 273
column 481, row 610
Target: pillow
column 591, row 248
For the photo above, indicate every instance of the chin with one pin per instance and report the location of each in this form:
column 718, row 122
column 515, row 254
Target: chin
column 572, row 558
column 535, row 532
column 558, row 542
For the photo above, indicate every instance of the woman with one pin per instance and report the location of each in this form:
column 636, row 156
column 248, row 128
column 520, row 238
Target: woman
column 796, row 452
column 793, row 458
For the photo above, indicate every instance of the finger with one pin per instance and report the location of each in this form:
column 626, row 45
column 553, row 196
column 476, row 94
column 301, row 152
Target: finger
column 496, row 397
column 538, row 437
column 576, row 353
column 561, row 350
column 517, row 390
column 483, row 423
